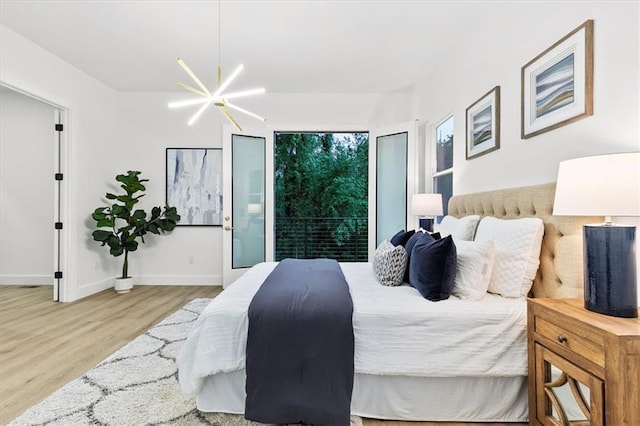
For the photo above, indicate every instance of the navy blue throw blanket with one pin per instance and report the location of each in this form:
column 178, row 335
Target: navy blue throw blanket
column 300, row 345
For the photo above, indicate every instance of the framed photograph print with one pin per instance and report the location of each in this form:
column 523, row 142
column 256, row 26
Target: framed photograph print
column 194, row 185
column 557, row 85
column 483, row 124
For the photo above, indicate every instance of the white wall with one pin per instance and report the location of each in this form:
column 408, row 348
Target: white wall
column 113, row 132
column 92, row 128
column 147, row 127
column 27, row 140
column 493, row 53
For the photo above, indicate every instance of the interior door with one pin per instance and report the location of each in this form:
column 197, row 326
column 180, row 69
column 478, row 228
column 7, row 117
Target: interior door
column 248, row 200
column 392, row 180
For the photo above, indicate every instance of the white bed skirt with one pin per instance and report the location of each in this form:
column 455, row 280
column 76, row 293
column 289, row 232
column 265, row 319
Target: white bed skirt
column 478, row 399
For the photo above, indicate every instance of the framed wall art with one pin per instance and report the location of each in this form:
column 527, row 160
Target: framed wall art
column 483, row 124
column 194, row 185
column 557, row 85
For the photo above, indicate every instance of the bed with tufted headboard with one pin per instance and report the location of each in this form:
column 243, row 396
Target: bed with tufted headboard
column 451, row 376
column 560, row 274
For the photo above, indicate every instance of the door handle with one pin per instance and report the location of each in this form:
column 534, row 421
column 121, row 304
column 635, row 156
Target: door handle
column 228, row 228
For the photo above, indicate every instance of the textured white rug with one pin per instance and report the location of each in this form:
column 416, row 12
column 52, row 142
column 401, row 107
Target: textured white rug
column 137, row 385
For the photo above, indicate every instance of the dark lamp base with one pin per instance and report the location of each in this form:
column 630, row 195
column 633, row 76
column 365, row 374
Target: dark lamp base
column 426, row 223
column 610, row 285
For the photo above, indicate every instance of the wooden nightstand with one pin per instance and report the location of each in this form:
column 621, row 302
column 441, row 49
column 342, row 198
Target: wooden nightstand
column 591, row 350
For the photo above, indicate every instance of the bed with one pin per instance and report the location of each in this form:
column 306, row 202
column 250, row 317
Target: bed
column 470, row 362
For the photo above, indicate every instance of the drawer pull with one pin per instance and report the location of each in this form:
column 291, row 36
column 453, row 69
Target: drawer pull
column 562, row 339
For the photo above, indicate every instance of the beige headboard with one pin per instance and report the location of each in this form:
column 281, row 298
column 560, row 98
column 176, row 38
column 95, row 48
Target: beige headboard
column 560, row 272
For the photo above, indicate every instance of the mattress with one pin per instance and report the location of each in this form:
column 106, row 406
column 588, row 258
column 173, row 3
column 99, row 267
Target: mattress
column 397, row 332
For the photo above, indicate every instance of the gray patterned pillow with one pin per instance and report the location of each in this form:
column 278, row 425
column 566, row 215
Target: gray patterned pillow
column 389, row 263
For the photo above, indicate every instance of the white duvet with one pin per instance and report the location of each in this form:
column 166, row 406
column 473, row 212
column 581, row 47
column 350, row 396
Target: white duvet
column 397, row 331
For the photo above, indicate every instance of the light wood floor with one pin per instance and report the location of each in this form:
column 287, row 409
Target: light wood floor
column 44, row 344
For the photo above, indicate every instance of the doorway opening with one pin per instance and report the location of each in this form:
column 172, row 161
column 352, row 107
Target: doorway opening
column 321, row 195
column 33, row 158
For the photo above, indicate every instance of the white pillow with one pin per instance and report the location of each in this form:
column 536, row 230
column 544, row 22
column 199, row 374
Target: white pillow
column 461, row 229
column 517, row 245
column 389, row 263
column 473, row 268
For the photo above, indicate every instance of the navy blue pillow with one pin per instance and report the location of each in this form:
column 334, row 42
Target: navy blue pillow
column 401, row 237
column 433, row 268
column 415, row 238
column 435, row 235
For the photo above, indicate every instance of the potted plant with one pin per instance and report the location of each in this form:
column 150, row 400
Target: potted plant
column 126, row 225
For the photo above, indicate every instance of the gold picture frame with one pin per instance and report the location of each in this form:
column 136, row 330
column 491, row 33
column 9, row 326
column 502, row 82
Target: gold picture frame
column 557, row 85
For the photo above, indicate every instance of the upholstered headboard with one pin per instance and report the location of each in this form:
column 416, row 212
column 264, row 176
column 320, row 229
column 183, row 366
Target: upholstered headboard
column 560, row 271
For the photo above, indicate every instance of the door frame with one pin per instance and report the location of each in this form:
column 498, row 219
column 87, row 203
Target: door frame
column 230, row 274
column 413, row 163
column 269, row 131
column 60, row 261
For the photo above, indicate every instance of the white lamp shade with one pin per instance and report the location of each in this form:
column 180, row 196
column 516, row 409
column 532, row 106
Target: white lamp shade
column 254, row 208
column 602, row 185
column 426, row 204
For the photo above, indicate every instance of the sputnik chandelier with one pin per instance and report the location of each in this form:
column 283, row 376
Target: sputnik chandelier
column 218, row 98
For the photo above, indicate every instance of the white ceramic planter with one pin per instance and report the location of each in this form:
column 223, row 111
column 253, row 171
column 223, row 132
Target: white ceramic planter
column 123, row 285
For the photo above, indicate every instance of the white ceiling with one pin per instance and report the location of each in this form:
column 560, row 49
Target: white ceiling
column 291, row 46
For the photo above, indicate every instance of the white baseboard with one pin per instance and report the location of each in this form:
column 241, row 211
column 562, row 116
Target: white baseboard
column 92, row 288
column 164, row 280
column 26, row 279
column 212, row 280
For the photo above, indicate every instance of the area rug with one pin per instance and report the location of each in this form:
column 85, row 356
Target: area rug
column 137, row 385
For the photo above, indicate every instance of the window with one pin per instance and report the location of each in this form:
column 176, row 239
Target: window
column 443, row 161
column 321, row 195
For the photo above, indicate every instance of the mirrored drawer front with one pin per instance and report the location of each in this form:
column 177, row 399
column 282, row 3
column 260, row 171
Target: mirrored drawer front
column 568, row 394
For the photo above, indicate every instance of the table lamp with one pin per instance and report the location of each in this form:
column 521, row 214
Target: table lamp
column 604, row 185
column 427, row 206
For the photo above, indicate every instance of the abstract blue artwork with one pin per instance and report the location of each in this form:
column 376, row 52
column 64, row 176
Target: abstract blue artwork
column 194, row 185
column 482, row 126
column 555, row 86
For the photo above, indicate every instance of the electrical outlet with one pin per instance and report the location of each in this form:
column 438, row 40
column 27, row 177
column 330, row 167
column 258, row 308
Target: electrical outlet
column 190, row 260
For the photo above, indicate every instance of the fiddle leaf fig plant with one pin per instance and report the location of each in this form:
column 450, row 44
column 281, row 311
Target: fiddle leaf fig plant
column 124, row 225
